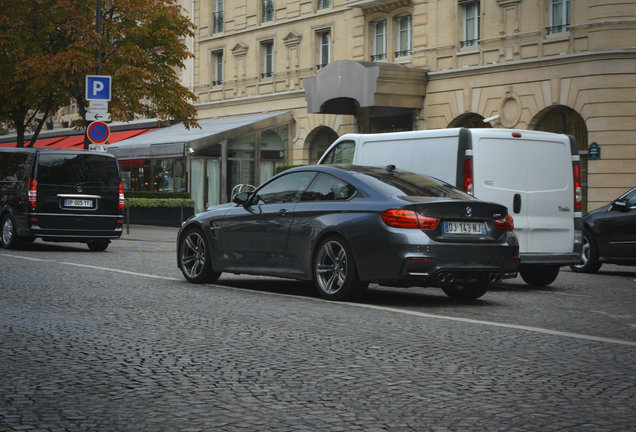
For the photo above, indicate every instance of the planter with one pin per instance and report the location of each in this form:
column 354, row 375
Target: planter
column 161, row 216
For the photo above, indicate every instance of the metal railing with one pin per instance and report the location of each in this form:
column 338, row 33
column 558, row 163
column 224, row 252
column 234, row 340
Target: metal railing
column 268, row 10
column 557, row 29
column 217, row 22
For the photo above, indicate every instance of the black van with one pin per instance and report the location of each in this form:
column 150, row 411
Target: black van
column 61, row 196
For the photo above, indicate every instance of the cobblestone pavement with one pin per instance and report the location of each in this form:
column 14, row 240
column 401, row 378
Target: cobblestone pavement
column 87, row 348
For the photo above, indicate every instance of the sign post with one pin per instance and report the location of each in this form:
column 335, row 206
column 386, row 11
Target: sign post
column 98, row 93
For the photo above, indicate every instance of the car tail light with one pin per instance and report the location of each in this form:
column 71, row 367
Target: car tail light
column 33, row 193
column 578, row 190
column 122, row 201
column 468, row 176
column 505, row 224
column 408, row 219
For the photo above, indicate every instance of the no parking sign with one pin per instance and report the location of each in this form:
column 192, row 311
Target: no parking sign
column 98, row 132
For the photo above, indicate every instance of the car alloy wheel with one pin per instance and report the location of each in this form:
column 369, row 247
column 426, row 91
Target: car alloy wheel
column 195, row 259
column 334, row 271
column 589, row 257
column 9, row 238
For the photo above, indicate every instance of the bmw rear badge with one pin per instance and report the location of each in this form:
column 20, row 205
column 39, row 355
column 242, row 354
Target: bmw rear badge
column 469, row 211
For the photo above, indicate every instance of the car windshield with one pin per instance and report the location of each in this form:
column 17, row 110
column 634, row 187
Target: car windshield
column 412, row 185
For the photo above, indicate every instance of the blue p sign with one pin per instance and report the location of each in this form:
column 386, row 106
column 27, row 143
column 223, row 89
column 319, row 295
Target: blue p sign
column 98, row 87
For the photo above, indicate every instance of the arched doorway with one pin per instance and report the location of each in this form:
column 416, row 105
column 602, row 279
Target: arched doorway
column 469, row 120
column 319, row 140
column 564, row 120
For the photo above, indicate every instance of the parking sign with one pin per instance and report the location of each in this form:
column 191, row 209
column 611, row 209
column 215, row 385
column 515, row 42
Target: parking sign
column 98, row 87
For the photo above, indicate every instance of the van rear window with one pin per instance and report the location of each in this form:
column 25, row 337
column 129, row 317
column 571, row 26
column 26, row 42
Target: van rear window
column 12, row 166
column 77, row 168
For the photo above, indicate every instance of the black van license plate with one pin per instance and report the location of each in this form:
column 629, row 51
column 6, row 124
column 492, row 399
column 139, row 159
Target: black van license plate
column 74, row 202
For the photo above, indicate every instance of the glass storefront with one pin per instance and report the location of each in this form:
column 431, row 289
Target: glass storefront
column 156, row 175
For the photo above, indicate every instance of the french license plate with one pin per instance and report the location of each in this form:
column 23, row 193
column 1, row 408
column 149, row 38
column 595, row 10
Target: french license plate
column 464, row 227
column 72, row 202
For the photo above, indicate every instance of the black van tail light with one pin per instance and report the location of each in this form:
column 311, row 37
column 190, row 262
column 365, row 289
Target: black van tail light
column 505, row 224
column 409, row 219
column 122, row 201
column 33, row 193
column 578, row 190
column 468, row 176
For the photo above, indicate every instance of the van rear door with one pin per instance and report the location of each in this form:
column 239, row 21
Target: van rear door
column 530, row 173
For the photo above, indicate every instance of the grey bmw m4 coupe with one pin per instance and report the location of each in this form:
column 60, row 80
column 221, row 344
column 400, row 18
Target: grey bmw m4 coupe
column 343, row 227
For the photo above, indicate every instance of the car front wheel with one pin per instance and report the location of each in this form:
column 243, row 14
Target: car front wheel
column 589, row 256
column 335, row 275
column 195, row 257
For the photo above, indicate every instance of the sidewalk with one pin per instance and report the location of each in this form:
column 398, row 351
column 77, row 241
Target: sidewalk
column 149, row 233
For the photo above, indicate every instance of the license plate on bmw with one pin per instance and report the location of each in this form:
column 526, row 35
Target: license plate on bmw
column 74, row 202
column 464, row 228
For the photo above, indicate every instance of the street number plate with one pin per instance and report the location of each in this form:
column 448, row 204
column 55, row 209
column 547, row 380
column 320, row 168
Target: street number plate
column 464, row 228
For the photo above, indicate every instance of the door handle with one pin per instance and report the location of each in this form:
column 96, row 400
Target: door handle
column 516, row 203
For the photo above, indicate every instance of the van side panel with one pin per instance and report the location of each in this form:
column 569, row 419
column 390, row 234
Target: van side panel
column 538, row 171
column 436, row 156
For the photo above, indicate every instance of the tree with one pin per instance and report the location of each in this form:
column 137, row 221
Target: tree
column 142, row 48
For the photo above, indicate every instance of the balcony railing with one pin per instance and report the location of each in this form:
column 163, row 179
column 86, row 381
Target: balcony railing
column 268, row 10
column 324, row 4
column 469, row 43
column 216, row 83
column 378, row 57
column 403, row 53
column 267, row 74
column 217, row 26
column 558, row 29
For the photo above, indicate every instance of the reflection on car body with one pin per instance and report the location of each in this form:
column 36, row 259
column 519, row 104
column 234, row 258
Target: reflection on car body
column 343, row 227
column 609, row 235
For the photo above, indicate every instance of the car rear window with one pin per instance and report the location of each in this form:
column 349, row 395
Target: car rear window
column 77, row 168
column 12, row 166
column 413, row 185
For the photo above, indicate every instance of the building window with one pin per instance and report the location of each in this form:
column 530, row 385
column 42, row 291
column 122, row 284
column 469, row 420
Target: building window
column 324, row 4
column 268, row 10
column 267, row 54
column 323, row 40
column 217, row 17
column 559, row 16
column 379, row 40
column 217, row 67
column 470, row 22
column 404, row 30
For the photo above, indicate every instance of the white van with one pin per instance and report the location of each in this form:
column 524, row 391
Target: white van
column 534, row 174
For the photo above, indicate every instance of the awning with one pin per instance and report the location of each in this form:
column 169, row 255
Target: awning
column 76, row 142
column 344, row 86
column 171, row 141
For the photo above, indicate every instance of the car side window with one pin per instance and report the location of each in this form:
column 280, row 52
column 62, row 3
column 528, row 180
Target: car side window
column 631, row 198
column 341, row 154
column 285, row 189
column 326, row 187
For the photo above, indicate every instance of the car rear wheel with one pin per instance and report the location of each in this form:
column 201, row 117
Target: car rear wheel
column 469, row 290
column 539, row 275
column 334, row 270
column 195, row 258
column 9, row 237
column 98, row 245
column 589, row 256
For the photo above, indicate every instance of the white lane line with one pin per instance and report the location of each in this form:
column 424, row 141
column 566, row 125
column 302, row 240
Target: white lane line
column 376, row 307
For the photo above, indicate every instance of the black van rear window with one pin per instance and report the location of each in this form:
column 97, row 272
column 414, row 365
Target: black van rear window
column 77, row 168
column 13, row 166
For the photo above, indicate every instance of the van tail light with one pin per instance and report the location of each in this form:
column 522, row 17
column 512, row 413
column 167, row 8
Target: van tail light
column 468, row 176
column 578, row 189
column 122, row 201
column 505, row 224
column 408, row 219
column 33, row 193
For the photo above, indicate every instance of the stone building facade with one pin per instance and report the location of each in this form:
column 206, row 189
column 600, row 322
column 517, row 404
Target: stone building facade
column 339, row 66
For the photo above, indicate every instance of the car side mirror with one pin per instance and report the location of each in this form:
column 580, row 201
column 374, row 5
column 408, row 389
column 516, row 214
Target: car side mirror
column 620, row 205
column 241, row 198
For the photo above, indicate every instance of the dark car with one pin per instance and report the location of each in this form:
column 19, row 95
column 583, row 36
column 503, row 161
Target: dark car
column 609, row 235
column 59, row 195
column 343, row 227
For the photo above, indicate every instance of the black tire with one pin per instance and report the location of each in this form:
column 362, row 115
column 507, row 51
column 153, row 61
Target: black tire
column 9, row 238
column 334, row 270
column 468, row 290
column 195, row 258
column 98, row 245
column 589, row 255
column 539, row 275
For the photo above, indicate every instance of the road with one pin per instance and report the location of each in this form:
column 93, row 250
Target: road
column 119, row 341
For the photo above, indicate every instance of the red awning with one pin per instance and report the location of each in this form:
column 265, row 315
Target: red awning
column 76, row 142
column 122, row 135
column 73, row 142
